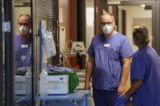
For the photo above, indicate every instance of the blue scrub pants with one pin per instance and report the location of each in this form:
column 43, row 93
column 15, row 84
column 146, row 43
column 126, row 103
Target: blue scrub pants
column 104, row 97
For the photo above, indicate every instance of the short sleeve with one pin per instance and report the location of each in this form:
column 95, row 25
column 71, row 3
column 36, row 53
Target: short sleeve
column 126, row 49
column 91, row 49
column 138, row 68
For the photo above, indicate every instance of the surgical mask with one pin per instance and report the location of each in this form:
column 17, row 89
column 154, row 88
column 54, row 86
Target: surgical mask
column 107, row 29
column 23, row 30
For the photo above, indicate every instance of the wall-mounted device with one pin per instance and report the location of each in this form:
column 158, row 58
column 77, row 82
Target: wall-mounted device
column 78, row 47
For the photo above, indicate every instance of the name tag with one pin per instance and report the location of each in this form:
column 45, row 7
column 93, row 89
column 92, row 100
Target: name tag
column 106, row 45
column 24, row 46
column 23, row 58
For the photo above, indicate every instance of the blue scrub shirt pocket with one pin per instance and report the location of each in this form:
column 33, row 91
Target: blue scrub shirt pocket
column 102, row 56
column 115, row 54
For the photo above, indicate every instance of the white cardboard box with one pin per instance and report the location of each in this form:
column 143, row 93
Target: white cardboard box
column 58, row 84
column 20, row 85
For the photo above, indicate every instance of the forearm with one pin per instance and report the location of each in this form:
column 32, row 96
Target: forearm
column 89, row 71
column 124, row 76
column 135, row 86
column 125, row 72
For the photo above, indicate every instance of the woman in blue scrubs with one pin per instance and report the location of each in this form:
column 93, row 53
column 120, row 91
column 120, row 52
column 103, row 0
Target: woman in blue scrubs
column 145, row 73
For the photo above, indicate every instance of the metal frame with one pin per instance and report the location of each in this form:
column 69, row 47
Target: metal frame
column 9, row 56
column 33, row 73
column 1, row 58
column 157, row 26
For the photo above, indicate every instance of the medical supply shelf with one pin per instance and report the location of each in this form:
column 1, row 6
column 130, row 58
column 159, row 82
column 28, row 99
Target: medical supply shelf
column 77, row 98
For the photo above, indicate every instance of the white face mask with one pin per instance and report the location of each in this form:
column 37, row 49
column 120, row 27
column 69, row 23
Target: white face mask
column 23, row 30
column 107, row 29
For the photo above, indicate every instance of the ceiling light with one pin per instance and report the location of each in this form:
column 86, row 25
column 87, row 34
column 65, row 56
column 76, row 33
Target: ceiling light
column 143, row 5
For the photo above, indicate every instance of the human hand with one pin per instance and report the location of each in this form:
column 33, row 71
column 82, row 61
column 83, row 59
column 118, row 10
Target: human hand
column 120, row 90
column 87, row 86
column 121, row 101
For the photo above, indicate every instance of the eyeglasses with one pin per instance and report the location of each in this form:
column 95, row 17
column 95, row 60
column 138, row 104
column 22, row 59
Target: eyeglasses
column 104, row 23
column 25, row 24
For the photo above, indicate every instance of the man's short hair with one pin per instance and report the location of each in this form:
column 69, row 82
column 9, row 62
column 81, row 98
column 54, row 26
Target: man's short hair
column 107, row 13
column 29, row 16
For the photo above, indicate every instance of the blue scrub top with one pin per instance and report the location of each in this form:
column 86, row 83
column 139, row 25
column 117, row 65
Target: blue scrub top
column 23, row 52
column 146, row 66
column 108, row 55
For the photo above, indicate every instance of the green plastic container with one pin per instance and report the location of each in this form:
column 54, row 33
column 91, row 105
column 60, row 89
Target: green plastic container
column 73, row 80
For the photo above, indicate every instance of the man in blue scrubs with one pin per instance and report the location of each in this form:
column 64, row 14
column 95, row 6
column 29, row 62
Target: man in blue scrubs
column 108, row 64
column 23, row 42
column 145, row 73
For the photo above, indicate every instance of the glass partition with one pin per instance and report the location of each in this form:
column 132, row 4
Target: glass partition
column 22, row 25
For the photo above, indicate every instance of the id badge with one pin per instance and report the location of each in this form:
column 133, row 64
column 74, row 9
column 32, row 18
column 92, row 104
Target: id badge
column 24, row 46
column 106, row 45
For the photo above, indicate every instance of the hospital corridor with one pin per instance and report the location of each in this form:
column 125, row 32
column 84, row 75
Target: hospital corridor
column 79, row 52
